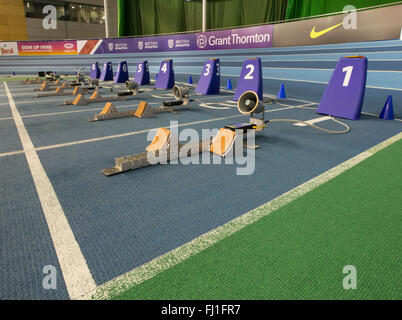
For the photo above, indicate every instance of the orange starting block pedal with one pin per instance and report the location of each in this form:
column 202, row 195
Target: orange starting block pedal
column 110, row 112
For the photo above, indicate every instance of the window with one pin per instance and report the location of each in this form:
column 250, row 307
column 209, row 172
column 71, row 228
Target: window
column 77, row 12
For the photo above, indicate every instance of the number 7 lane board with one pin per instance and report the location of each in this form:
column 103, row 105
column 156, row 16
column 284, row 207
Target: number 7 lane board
column 344, row 94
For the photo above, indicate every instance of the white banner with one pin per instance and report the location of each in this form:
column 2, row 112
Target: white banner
column 8, row 49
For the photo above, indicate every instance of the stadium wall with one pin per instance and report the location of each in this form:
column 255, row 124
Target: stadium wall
column 371, row 25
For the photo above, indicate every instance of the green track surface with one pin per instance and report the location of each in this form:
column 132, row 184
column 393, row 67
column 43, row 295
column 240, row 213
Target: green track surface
column 21, row 78
column 300, row 250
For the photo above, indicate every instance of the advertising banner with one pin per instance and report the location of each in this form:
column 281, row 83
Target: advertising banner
column 369, row 25
column 242, row 38
column 8, row 49
column 47, row 47
column 147, row 44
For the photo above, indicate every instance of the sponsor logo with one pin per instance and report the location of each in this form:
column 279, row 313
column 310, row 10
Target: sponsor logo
column 8, row 49
column 202, row 41
column 68, row 46
column 316, row 34
column 234, row 39
column 6, row 52
column 349, row 22
column 110, row 46
column 171, row 43
column 140, row 45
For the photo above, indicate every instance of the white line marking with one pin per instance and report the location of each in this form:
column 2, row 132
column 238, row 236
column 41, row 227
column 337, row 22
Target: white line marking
column 96, row 47
column 297, row 80
column 76, row 273
column 62, row 145
column 376, row 116
column 312, row 121
column 187, row 124
column 12, row 153
column 88, row 110
column 182, row 253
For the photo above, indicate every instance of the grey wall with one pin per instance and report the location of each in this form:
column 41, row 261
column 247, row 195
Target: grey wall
column 75, row 30
column 375, row 24
column 112, row 18
column 65, row 30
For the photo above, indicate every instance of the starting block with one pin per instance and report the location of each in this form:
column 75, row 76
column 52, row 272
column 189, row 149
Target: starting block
column 32, row 81
column 95, row 97
column 59, row 91
column 160, row 150
column 44, row 87
column 160, row 142
column 223, row 143
column 110, row 112
column 49, row 87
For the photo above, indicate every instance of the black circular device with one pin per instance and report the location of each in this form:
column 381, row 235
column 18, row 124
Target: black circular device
column 131, row 86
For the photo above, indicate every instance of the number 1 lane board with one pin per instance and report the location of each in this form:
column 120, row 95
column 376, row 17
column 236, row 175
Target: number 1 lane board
column 344, row 94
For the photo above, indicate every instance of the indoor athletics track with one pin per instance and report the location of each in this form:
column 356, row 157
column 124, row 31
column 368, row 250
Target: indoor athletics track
column 56, row 208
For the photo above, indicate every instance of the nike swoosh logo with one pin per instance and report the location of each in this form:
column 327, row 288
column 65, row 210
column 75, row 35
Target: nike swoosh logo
column 314, row 34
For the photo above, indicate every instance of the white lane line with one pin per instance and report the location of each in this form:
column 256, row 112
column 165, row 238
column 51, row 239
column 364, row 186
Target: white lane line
column 61, row 145
column 182, row 253
column 298, row 80
column 376, row 116
column 312, row 121
column 12, row 153
column 76, row 274
column 121, row 135
column 91, row 109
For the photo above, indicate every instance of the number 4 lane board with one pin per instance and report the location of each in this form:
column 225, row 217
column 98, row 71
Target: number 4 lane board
column 344, row 94
column 165, row 76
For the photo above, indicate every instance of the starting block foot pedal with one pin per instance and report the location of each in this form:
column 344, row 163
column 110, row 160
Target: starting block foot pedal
column 250, row 146
column 125, row 93
column 111, row 171
column 172, row 103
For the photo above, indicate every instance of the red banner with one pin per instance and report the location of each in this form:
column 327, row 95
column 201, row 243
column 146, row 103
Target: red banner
column 47, row 47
